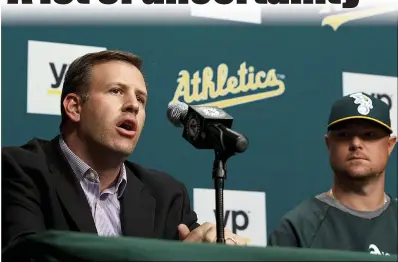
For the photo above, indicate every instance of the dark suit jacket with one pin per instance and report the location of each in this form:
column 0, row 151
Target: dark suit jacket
column 40, row 192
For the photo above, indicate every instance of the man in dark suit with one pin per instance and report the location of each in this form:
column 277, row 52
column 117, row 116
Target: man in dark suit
column 81, row 180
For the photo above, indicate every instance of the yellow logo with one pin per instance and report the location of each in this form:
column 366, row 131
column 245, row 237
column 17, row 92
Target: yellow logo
column 200, row 87
column 337, row 20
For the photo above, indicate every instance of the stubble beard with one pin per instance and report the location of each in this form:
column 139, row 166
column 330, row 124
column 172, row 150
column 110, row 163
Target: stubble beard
column 354, row 179
column 108, row 145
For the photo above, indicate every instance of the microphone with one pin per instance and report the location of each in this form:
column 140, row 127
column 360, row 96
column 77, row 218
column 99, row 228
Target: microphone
column 207, row 127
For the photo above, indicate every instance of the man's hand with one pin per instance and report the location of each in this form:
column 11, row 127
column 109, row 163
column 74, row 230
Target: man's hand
column 208, row 233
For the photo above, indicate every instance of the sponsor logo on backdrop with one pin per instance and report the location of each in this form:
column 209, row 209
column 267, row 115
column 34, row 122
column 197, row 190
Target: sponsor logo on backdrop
column 225, row 86
column 47, row 65
column 383, row 87
column 244, row 212
column 238, row 219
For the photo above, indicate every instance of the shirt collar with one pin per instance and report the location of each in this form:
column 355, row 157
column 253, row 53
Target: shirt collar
column 81, row 169
column 121, row 181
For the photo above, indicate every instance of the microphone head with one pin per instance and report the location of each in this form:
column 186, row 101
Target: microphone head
column 176, row 112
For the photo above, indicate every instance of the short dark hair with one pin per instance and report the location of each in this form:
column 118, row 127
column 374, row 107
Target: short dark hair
column 77, row 78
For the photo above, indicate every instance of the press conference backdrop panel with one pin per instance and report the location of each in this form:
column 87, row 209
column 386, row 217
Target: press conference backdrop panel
column 292, row 76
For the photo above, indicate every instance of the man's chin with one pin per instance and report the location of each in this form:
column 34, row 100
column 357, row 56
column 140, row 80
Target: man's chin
column 122, row 150
column 360, row 175
column 126, row 152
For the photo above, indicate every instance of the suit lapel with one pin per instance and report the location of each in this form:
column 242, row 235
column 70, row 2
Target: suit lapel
column 137, row 207
column 68, row 188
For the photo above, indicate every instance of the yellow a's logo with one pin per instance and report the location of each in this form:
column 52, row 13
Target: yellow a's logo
column 200, row 87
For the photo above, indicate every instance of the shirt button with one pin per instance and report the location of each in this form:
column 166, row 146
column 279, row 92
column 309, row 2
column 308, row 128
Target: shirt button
column 92, row 177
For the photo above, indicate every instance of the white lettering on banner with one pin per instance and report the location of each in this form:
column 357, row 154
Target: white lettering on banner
column 383, row 87
column 244, row 212
column 47, row 65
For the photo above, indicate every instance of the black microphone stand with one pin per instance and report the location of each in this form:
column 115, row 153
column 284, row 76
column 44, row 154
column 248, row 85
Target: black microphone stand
column 223, row 151
column 225, row 143
column 219, row 175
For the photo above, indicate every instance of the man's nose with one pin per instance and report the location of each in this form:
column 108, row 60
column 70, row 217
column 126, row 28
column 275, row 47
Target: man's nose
column 356, row 143
column 131, row 105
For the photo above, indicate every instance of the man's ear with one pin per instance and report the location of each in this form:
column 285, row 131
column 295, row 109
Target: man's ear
column 327, row 141
column 391, row 143
column 72, row 106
